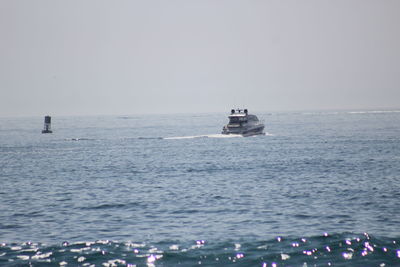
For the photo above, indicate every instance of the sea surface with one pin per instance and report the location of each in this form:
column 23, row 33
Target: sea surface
column 319, row 189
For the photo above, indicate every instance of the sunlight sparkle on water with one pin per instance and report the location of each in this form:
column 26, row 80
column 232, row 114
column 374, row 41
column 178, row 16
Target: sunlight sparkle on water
column 239, row 255
column 347, row 255
column 368, row 246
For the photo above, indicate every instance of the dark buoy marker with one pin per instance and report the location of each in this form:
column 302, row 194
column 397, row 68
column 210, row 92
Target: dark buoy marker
column 47, row 125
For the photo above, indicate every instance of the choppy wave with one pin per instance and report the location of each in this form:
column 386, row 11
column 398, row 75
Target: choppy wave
column 79, row 139
column 322, row 113
column 149, row 138
column 325, row 250
column 337, row 174
column 373, row 111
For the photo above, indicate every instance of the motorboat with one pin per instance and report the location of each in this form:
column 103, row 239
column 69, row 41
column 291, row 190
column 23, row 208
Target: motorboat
column 243, row 123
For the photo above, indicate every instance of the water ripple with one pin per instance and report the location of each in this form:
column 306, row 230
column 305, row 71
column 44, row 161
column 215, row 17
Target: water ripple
column 345, row 249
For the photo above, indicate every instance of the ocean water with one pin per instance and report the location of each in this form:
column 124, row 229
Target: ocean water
column 319, row 189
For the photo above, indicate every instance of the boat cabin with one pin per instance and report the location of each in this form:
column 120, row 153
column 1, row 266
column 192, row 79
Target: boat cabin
column 239, row 117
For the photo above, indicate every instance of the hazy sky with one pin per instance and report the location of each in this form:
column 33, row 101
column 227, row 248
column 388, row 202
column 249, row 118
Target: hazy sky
column 165, row 56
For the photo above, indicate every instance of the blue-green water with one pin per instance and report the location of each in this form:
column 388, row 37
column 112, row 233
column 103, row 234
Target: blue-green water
column 320, row 189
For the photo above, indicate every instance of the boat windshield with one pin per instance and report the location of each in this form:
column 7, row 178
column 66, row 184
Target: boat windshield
column 233, row 120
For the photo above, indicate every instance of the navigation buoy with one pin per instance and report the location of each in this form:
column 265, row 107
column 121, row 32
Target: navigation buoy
column 47, row 125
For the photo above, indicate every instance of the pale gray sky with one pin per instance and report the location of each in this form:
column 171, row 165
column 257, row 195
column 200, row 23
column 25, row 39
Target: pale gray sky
column 83, row 57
